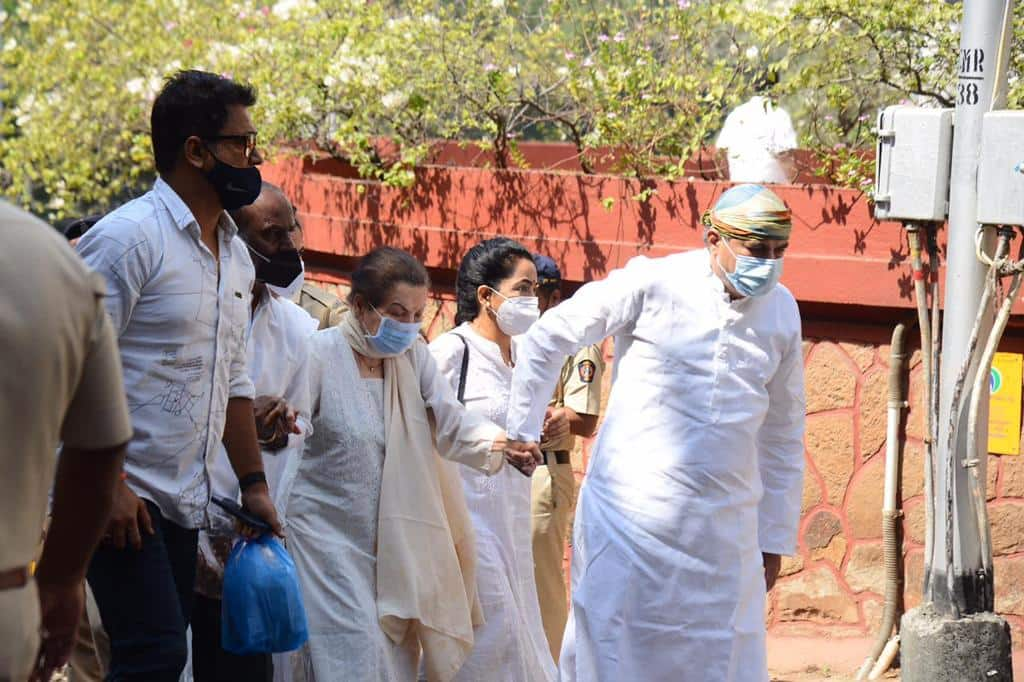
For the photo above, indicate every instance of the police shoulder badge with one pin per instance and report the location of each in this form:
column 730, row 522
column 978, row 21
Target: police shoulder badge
column 586, row 369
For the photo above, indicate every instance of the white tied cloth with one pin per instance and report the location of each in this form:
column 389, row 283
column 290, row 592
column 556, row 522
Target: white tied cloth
column 697, row 469
column 754, row 135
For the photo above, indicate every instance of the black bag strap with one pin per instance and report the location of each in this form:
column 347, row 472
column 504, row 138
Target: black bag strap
column 464, row 369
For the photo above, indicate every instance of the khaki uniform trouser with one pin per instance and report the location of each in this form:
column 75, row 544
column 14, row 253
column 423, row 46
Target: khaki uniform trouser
column 554, row 492
column 90, row 656
column 19, row 632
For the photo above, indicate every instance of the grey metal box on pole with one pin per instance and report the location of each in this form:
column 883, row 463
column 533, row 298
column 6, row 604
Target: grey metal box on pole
column 1001, row 173
column 915, row 148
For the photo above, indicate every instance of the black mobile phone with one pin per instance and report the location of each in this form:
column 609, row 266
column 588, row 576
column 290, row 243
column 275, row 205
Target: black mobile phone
column 236, row 510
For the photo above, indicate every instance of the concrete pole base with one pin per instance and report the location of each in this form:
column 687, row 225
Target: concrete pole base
column 936, row 649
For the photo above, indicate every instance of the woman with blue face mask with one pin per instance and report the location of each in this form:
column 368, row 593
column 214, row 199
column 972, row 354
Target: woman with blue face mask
column 377, row 523
column 497, row 301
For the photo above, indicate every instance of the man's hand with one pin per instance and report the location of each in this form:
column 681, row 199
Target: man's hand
column 268, row 410
column 256, row 500
column 61, row 607
column 274, row 421
column 523, row 456
column 556, row 424
column 127, row 519
column 772, row 565
column 290, row 422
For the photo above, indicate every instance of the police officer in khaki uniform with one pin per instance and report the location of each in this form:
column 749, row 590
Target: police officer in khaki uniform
column 577, row 400
column 60, row 382
column 322, row 305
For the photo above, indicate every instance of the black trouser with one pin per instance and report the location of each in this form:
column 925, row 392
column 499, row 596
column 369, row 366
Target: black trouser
column 145, row 600
column 210, row 663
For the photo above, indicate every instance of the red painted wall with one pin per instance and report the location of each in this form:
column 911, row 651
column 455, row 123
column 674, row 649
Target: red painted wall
column 592, row 224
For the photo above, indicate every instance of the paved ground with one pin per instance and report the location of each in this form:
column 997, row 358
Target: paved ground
column 810, row 659
column 814, row 673
column 816, row 659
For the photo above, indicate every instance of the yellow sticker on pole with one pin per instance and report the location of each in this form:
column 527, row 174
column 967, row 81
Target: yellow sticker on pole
column 1004, row 404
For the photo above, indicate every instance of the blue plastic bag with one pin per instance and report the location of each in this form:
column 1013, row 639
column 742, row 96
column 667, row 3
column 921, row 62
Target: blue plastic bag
column 261, row 609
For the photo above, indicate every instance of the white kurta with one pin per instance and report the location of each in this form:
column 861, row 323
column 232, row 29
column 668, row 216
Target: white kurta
column 281, row 331
column 697, row 469
column 510, row 646
column 333, row 506
column 278, row 361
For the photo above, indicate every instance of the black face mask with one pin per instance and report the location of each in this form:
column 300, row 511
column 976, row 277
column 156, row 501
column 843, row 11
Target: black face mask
column 236, row 187
column 278, row 270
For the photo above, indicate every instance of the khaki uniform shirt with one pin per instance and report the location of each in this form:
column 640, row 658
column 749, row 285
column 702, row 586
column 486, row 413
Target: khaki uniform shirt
column 60, row 377
column 579, row 389
column 322, row 305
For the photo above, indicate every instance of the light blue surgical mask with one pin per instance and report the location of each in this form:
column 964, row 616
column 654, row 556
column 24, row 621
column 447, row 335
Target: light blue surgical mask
column 393, row 337
column 752, row 276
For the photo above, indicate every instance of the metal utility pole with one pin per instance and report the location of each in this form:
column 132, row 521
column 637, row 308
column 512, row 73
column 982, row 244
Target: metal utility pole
column 954, row 635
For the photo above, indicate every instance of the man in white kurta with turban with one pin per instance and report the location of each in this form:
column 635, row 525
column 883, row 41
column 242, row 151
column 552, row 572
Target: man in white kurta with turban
column 694, row 487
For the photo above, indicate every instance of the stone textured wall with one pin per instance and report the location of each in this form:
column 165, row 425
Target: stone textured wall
column 835, row 584
column 836, row 581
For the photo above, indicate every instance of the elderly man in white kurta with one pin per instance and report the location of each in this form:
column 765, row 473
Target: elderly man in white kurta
column 694, row 487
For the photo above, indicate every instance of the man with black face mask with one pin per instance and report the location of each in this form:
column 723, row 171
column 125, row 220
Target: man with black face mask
column 278, row 365
column 178, row 289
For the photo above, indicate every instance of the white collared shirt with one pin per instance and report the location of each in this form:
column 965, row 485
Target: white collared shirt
column 181, row 323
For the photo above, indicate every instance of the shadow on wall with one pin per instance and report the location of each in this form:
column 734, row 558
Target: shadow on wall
column 591, row 224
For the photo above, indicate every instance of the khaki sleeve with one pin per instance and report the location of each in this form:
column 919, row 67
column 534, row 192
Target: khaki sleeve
column 336, row 313
column 97, row 416
column 317, row 310
column 558, row 399
column 322, row 314
column 582, row 385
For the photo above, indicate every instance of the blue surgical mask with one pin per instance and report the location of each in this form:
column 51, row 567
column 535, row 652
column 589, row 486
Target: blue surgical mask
column 393, row 337
column 752, row 276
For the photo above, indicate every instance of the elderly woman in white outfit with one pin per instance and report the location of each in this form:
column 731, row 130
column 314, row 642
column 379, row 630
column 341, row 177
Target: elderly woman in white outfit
column 376, row 521
column 496, row 289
